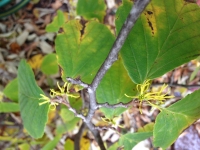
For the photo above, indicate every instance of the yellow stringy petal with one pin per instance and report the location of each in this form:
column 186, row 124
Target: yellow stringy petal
column 146, row 95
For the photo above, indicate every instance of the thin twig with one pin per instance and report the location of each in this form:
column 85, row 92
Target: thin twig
column 98, row 139
column 78, row 136
column 176, row 85
column 123, row 105
column 66, row 103
column 104, row 128
column 93, row 105
column 77, row 81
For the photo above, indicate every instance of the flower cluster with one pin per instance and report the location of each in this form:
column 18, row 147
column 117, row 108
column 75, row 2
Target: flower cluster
column 146, row 95
column 63, row 91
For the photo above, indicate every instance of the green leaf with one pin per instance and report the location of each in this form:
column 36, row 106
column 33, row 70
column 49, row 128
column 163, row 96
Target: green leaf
column 173, row 120
column 114, row 146
column 82, row 55
column 129, row 140
column 69, row 145
column 49, row 64
column 147, row 128
column 8, row 107
column 76, row 103
column 66, row 115
column 164, row 37
column 90, row 9
column 34, row 116
column 52, row 144
column 24, row 146
column 194, row 73
column 69, row 121
column 113, row 87
column 57, row 22
column 11, row 90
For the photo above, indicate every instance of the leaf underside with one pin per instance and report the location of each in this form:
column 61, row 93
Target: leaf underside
column 176, row 118
column 129, row 140
column 34, row 116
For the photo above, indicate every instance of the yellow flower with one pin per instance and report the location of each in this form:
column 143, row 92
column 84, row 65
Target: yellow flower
column 112, row 122
column 54, row 93
column 146, row 95
column 62, row 92
column 47, row 100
